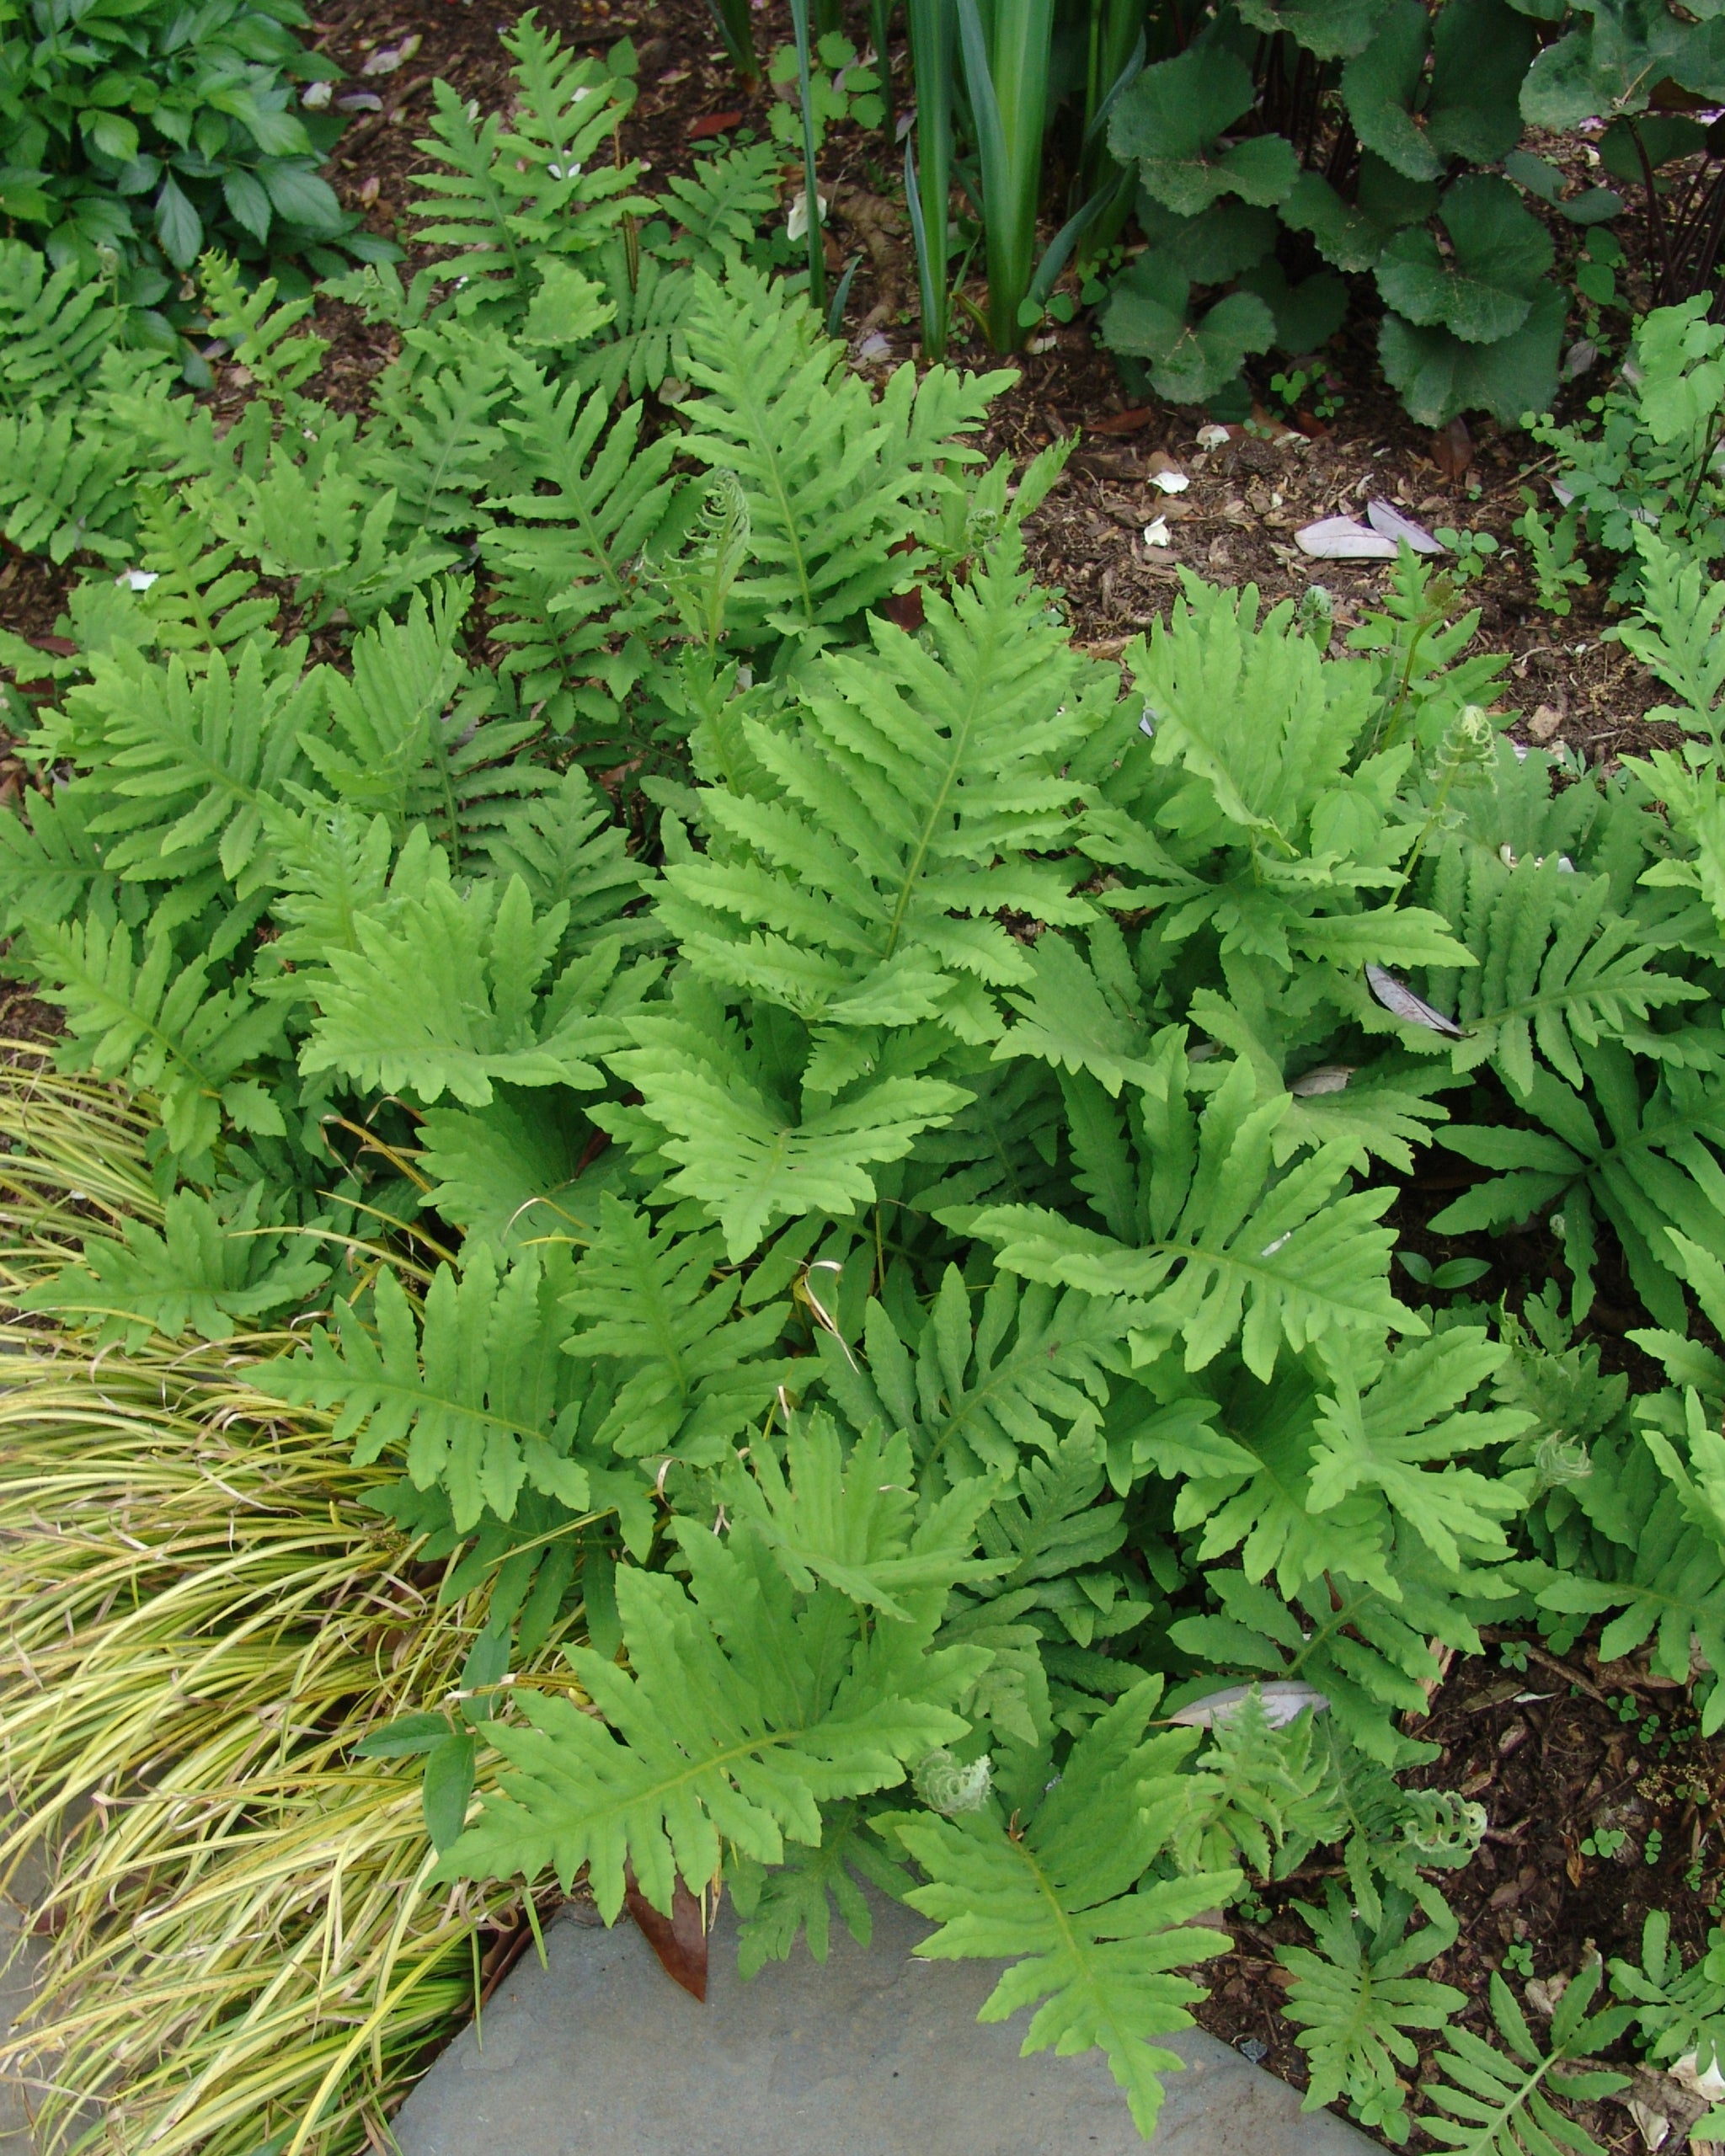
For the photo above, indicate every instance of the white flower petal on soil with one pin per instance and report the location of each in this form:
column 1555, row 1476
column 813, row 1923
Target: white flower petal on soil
column 387, row 58
column 797, row 223
column 1282, row 1700
column 1388, row 521
column 1344, row 539
column 137, row 580
column 874, row 346
column 1213, row 436
column 1158, row 534
column 1327, row 1078
column 1397, row 996
column 1171, row 482
column 315, row 96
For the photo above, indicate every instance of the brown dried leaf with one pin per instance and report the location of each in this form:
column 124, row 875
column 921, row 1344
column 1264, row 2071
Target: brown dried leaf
column 680, row 1939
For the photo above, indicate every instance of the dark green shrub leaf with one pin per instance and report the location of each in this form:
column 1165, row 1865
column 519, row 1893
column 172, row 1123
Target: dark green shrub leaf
column 1352, row 236
column 1440, row 375
column 1190, row 360
column 248, row 201
column 178, row 225
column 1332, row 30
column 1168, row 122
column 1484, row 290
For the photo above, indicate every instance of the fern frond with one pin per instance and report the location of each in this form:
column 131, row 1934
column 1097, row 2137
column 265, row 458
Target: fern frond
column 1354, row 2001
column 1500, row 2100
column 508, row 194
column 66, row 486
column 442, row 994
column 983, row 1393
column 1226, row 1251
column 1370, row 1654
column 402, row 735
column 196, row 763
column 683, row 1369
column 566, row 849
column 864, row 891
column 719, row 1118
column 476, row 1390
column 55, row 325
column 1409, row 1415
column 210, row 1269
column 1064, row 1893
column 746, row 1707
column 834, row 481
column 201, row 598
column 721, row 204
column 1555, row 967
column 159, row 1027
column 1645, row 1163
column 435, row 438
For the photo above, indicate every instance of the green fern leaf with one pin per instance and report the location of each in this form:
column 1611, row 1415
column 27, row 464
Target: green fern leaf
column 922, row 777
column 834, row 480
column 981, row 1393
column 442, row 996
column 55, row 325
column 683, row 1373
column 1064, row 1893
column 1354, row 2000
column 406, row 734
column 747, row 1707
column 197, row 762
column 160, row 1028
column 477, row 1390
column 1643, row 1162
column 1231, row 1251
column 520, row 1171
column 1555, row 967
column 209, row 1271
column 713, row 1114
column 1500, row 2102
column 1387, row 1434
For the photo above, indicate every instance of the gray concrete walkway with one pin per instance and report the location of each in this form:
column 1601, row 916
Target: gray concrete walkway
column 877, row 2054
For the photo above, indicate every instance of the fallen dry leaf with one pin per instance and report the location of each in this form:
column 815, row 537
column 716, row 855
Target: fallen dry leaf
column 680, row 1939
column 1344, row 539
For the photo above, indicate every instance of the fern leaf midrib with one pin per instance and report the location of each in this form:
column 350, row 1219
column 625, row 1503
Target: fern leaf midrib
column 960, row 739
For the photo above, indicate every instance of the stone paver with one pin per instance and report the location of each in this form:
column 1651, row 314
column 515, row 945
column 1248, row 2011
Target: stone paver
column 876, row 2054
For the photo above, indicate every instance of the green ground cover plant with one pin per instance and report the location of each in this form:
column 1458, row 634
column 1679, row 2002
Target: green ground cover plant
column 135, row 133
column 823, row 1196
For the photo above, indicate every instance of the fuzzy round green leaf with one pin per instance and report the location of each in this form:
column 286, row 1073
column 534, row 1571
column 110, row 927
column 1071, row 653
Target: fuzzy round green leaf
column 1480, row 51
column 1216, row 244
column 1189, row 360
column 1352, row 236
column 1661, row 136
column 1440, row 375
column 1483, row 289
column 1611, row 68
column 1168, row 122
column 1329, row 29
column 1382, row 88
column 1307, row 314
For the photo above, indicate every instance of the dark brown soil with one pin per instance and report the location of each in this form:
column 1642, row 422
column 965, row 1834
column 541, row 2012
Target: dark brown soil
column 1557, row 1751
